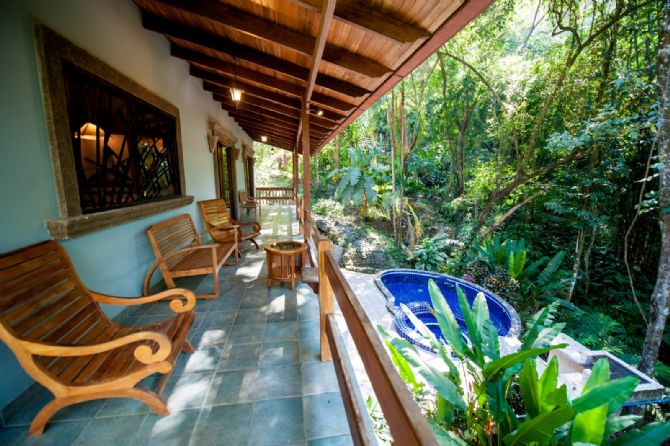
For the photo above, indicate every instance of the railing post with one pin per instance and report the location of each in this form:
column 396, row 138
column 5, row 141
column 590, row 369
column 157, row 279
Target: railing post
column 325, row 297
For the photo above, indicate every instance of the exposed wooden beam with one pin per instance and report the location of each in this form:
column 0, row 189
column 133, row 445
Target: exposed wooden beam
column 292, row 126
column 253, row 101
column 264, row 119
column 271, row 141
column 368, row 19
column 255, row 134
column 254, row 90
column 220, row 44
column 231, row 70
column 254, row 25
column 265, row 130
column 245, row 107
column 325, row 19
column 264, row 123
column 222, row 86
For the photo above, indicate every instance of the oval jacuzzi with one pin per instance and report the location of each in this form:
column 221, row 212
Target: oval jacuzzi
column 410, row 287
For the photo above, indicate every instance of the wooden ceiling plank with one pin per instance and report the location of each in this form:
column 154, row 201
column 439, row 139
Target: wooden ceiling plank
column 230, row 105
column 273, row 106
column 262, row 116
column 254, row 25
column 212, row 64
column 222, row 86
column 220, row 44
column 368, row 19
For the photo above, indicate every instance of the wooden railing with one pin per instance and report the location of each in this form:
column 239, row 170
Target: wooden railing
column 275, row 195
column 407, row 424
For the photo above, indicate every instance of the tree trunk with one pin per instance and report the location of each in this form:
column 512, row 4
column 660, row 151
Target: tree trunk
column 579, row 248
column 337, row 152
column 660, row 298
column 390, row 117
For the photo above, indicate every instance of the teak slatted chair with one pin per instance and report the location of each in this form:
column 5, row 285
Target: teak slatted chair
column 179, row 252
column 61, row 337
column 218, row 222
column 248, row 202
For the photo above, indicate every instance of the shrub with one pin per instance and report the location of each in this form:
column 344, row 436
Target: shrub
column 487, row 398
column 328, row 208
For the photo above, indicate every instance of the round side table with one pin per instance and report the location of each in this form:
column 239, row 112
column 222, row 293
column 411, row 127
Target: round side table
column 284, row 261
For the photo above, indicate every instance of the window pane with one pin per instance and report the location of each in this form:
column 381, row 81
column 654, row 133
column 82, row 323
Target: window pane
column 125, row 150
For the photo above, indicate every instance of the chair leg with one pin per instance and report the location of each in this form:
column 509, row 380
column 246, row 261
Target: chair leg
column 216, row 283
column 150, row 399
column 147, row 397
column 43, row 416
column 187, row 347
column 254, row 242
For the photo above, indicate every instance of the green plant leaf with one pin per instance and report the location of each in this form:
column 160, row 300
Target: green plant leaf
column 614, row 393
column 495, row 369
column 467, row 312
column 616, row 424
column 437, row 380
column 404, row 369
column 651, row 434
column 445, row 438
column 541, row 428
column 446, row 320
column 528, row 383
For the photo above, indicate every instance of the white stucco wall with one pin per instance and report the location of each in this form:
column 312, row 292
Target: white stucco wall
column 113, row 260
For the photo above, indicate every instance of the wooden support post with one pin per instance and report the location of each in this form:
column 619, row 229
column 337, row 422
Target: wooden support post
column 325, row 297
column 306, row 159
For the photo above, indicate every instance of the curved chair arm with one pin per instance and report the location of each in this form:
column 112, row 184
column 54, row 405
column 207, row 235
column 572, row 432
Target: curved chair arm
column 183, row 302
column 225, row 227
column 143, row 353
column 256, row 227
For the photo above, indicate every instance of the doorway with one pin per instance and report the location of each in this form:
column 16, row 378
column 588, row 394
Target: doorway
column 224, row 165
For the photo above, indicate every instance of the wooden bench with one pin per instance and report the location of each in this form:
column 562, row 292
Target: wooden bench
column 220, row 224
column 61, row 337
column 179, row 252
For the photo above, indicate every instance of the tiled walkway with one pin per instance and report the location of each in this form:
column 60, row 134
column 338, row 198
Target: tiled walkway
column 255, row 378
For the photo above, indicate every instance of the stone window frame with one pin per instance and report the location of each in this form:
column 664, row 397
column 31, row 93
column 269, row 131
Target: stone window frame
column 52, row 49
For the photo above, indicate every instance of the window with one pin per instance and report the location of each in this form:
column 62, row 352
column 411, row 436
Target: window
column 124, row 149
column 115, row 146
column 224, row 165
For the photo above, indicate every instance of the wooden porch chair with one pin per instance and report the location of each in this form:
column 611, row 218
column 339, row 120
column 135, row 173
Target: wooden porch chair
column 61, row 337
column 179, row 252
column 248, row 202
column 218, row 222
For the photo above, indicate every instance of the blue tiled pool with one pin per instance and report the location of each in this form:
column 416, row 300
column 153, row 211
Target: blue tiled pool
column 410, row 287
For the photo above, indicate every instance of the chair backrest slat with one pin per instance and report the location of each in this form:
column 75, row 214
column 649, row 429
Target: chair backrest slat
column 41, row 296
column 173, row 234
column 215, row 212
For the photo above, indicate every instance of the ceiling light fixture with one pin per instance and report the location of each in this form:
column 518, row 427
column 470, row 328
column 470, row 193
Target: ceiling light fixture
column 264, row 138
column 235, row 91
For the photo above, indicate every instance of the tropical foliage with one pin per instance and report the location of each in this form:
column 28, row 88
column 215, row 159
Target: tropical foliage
column 480, row 396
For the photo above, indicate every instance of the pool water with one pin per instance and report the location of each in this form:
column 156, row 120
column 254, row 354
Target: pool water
column 410, row 287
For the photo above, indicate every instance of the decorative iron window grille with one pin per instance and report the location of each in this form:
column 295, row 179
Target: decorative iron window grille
column 125, row 149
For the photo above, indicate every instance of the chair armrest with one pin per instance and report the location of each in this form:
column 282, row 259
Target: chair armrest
column 226, row 227
column 185, row 300
column 143, row 353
